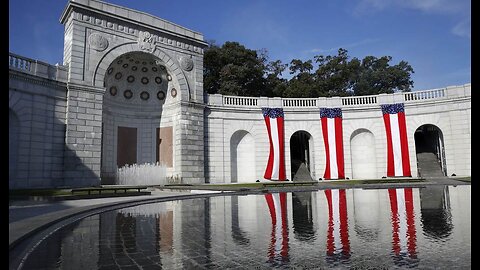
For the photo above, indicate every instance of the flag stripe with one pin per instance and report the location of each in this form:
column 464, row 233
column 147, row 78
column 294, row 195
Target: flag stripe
column 281, row 140
column 390, row 166
column 276, row 148
column 332, row 148
column 339, row 147
column 404, row 144
column 327, row 150
column 396, row 148
column 268, row 170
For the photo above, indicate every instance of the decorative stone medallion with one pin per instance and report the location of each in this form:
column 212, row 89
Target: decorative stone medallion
column 186, row 63
column 98, row 42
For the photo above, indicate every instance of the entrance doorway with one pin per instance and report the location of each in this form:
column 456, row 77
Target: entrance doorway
column 430, row 151
column 301, row 145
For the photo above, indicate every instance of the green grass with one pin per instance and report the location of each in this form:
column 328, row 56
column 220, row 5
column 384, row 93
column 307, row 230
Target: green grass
column 39, row 192
column 62, row 192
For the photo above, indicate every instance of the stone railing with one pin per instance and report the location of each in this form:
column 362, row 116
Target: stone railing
column 240, row 101
column 37, row 68
column 299, row 102
column 359, row 100
column 450, row 92
column 427, row 94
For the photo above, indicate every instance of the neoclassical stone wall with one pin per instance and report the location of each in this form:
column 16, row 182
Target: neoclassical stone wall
column 64, row 119
column 37, row 105
column 449, row 109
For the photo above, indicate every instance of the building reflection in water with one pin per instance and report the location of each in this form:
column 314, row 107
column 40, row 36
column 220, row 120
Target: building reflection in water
column 338, row 243
column 367, row 212
column 404, row 239
column 278, row 249
column 303, row 227
column 238, row 235
column 436, row 216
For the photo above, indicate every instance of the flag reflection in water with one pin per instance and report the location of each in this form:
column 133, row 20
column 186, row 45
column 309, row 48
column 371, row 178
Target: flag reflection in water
column 278, row 249
column 403, row 226
column 338, row 244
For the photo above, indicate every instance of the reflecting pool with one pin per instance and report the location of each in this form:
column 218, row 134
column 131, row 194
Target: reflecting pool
column 425, row 228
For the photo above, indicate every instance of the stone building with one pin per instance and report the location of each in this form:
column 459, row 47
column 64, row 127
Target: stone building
column 130, row 90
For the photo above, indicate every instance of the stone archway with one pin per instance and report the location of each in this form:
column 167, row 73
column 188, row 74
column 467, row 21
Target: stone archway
column 136, row 129
column 430, row 151
column 362, row 149
column 171, row 66
column 242, row 157
column 301, row 147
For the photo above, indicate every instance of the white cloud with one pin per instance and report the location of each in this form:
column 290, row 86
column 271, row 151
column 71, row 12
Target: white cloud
column 463, row 28
column 458, row 9
column 344, row 46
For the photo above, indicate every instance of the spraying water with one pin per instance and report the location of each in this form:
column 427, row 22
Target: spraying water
column 142, row 174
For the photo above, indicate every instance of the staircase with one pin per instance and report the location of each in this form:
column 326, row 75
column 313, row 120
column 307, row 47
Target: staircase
column 428, row 165
column 302, row 174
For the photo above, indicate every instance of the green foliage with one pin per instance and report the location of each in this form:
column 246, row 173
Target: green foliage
column 233, row 69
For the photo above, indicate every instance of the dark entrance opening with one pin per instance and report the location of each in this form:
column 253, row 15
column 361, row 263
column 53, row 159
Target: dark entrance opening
column 300, row 156
column 430, row 151
column 126, row 146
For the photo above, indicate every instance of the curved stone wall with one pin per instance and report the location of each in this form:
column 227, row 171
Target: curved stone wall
column 447, row 108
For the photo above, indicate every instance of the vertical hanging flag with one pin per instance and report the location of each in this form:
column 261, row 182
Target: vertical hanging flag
column 403, row 224
column 331, row 119
column 276, row 160
column 398, row 161
column 338, row 244
column 277, row 206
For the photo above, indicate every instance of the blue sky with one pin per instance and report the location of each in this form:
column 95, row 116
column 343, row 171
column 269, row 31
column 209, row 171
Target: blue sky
column 433, row 36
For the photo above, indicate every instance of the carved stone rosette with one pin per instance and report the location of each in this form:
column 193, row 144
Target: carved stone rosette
column 186, row 63
column 98, row 42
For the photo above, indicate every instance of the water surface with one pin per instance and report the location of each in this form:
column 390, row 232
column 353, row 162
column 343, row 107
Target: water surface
column 425, row 228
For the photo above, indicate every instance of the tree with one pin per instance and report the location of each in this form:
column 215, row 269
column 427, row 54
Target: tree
column 233, row 69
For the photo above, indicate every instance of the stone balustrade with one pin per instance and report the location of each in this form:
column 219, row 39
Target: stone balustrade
column 347, row 102
column 38, row 68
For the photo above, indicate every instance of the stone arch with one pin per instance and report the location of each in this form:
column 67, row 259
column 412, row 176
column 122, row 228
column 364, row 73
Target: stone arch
column 301, row 155
column 13, row 145
column 430, row 151
column 242, row 156
column 173, row 68
column 363, row 156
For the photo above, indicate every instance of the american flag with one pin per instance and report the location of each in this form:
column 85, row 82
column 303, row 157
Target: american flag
column 278, row 249
column 331, row 119
column 403, row 224
column 398, row 161
column 338, row 244
column 276, row 160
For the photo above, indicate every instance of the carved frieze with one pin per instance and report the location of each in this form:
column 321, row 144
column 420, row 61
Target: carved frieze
column 147, row 40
